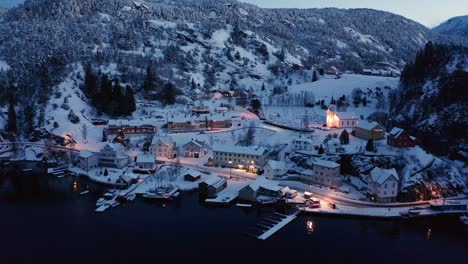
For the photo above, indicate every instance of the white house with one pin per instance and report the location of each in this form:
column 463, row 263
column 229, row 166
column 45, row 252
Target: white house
column 113, row 155
column 274, row 169
column 145, row 162
column 88, row 160
column 264, row 187
column 340, row 119
column 195, row 149
column 302, row 143
column 334, row 146
column 163, row 146
column 249, row 158
column 326, row 173
column 382, row 185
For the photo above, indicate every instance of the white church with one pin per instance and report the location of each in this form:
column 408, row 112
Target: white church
column 340, row 119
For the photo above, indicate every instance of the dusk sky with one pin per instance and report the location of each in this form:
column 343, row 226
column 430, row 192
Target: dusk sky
column 428, row 12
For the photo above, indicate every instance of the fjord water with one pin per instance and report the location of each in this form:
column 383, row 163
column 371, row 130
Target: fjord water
column 53, row 223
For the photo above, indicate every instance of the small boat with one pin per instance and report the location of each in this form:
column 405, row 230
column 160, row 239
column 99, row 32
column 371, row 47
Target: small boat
column 176, row 195
column 84, row 192
column 100, row 202
column 243, row 205
column 131, row 197
column 115, row 204
column 111, row 193
column 404, row 213
column 413, row 212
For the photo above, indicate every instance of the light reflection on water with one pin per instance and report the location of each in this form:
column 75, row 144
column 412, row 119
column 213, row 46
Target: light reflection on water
column 310, row 227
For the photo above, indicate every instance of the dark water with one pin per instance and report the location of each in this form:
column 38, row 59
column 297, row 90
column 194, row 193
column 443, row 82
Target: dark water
column 56, row 225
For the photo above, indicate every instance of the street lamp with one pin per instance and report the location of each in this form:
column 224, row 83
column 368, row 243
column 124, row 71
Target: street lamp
column 230, row 169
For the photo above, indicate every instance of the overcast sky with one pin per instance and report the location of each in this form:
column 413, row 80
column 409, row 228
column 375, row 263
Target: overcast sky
column 427, row 12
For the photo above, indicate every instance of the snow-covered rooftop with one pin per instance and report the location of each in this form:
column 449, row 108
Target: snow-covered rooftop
column 266, row 184
column 164, row 139
column 396, row 131
column 347, row 115
column 86, row 154
column 379, row 175
column 193, row 173
column 215, row 181
column 277, row 165
column 251, row 150
column 366, row 125
column 145, row 158
column 326, row 163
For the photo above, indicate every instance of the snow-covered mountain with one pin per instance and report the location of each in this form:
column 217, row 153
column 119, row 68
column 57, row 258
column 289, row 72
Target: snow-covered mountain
column 457, row 26
column 432, row 99
column 113, row 31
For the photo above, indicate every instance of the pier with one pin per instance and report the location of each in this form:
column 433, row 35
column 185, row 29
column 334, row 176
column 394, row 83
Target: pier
column 274, row 223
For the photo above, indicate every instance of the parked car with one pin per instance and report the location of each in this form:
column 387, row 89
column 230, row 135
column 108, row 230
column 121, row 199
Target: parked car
column 332, row 205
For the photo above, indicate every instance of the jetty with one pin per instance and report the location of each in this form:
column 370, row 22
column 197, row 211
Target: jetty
column 271, row 225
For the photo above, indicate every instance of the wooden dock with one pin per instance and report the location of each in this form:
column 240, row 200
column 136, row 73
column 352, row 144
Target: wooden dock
column 273, row 224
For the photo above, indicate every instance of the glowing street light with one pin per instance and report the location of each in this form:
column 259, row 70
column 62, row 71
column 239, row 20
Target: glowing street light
column 230, row 169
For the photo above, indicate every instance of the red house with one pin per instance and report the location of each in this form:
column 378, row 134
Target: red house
column 400, row 139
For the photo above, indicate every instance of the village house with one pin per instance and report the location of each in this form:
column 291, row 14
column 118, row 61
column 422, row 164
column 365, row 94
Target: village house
column 113, row 155
column 275, row 169
column 399, row 138
column 192, row 175
column 326, row 173
column 199, row 124
column 334, row 146
column 129, row 127
column 340, row 119
column 367, row 130
column 212, row 186
column 200, row 110
column 145, row 162
column 163, row 146
column 195, row 149
column 88, row 160
column 382, row 185
column 221, row 109
column 302, row 144
column 249, row 158
column 262, row 187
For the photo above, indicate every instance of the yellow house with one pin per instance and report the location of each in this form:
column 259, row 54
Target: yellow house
column 367, row 130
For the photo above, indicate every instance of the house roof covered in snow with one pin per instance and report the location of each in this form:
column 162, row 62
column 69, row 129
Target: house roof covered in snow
column 379, row 175
column 114, row 146
column 215, row 181
column 303, row 139
column 251, row 150
column 265, row 184
column 86, row 154
column 366, row 125
column 396, row 131
column 326, row 163
column 192, row 172
column 277, row 165
column 164, row 139
column 145, row 158
column 346, row 115
column 196, row 142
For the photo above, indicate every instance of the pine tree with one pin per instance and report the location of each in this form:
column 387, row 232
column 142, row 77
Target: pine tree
column 90, row 82
column 168, row 94
column 314, row 76
column 344, row 137
column 11, row 126
column 263, row 87
column 149, row 83
column 321, row 150
column 256, row 105
column 370, row 145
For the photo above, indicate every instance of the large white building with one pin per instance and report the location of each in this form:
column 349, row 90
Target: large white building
column 340, row 119
column 382, row 185
column 327, row 173
column 275, row 169
column 88, row 160
column 249, row 158
column 302, row 144
column 145, row 162
column 195, row 149
column 113, row 155
column 163, row 146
